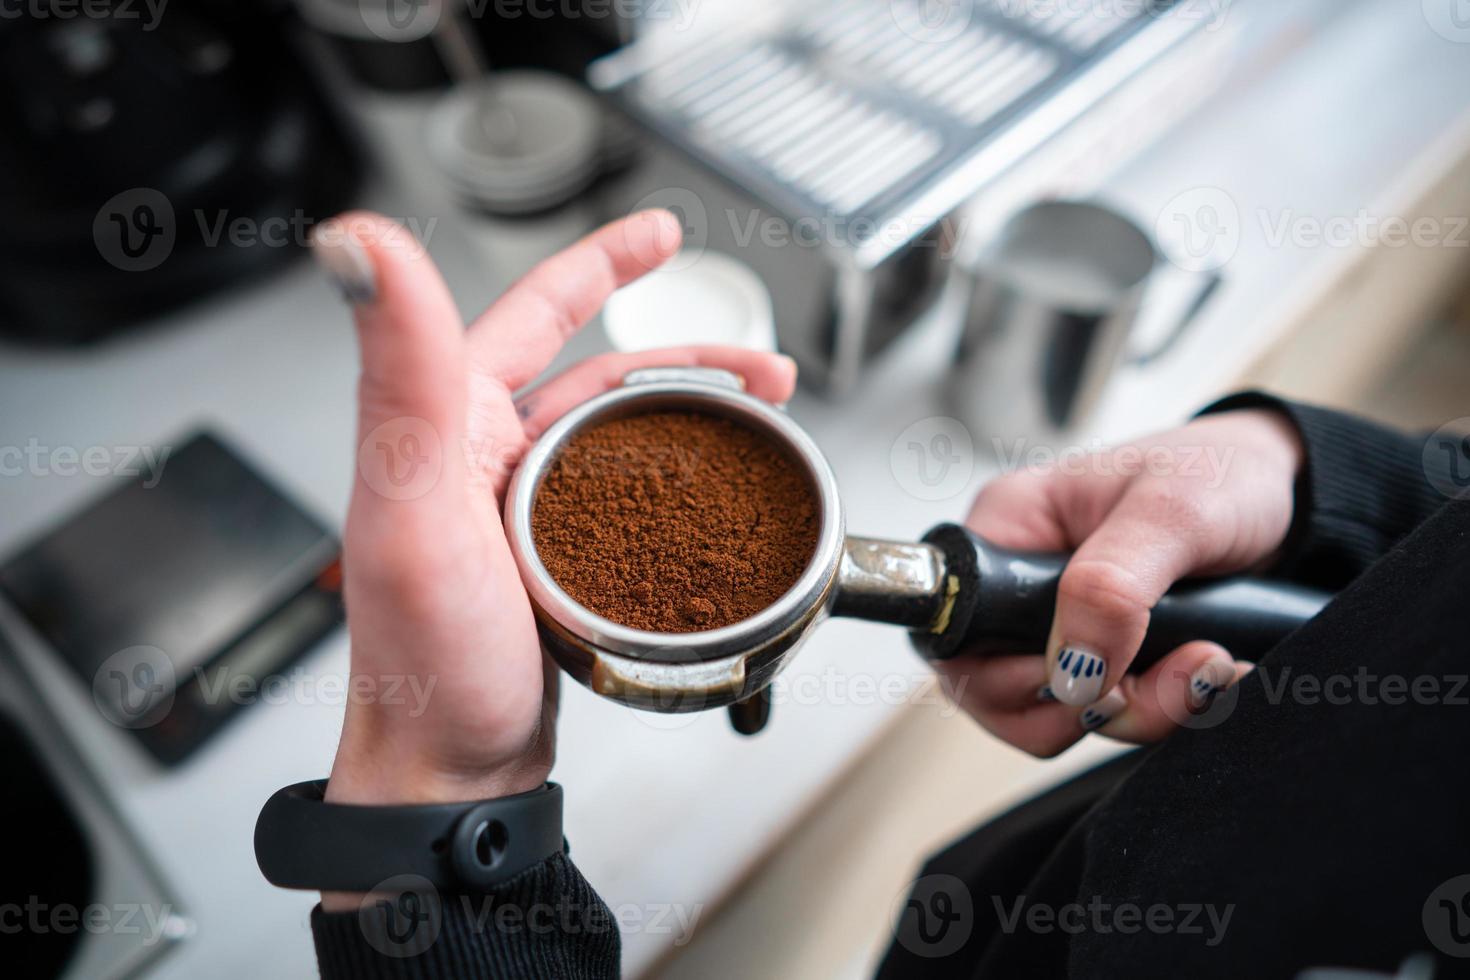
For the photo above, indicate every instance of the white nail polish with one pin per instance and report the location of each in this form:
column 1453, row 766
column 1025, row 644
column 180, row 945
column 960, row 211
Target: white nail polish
column 1077, row 679
column 1207, row 681
column 347, row 264
column 1099, row 713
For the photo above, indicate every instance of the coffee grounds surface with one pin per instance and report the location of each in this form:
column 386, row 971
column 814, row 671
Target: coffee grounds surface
column 674, row 521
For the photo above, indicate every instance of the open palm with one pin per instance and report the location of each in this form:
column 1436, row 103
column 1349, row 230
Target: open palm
column 433, row 595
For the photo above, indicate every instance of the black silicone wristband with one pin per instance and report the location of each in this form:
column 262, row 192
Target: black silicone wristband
column 301, row 841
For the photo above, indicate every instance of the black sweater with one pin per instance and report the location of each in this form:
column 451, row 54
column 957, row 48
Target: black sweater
column 1317, row 814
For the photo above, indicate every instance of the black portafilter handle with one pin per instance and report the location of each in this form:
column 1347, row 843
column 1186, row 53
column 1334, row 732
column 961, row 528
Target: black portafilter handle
column 1005, row 601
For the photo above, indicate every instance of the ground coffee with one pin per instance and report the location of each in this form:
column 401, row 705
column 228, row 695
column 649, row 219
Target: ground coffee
column 674, row 521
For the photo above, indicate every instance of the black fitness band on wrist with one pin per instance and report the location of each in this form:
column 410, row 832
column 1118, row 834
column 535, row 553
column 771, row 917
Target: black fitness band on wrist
column 301, row 841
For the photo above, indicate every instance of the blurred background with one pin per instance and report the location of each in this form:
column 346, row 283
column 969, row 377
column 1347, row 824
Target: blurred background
column 991, row 232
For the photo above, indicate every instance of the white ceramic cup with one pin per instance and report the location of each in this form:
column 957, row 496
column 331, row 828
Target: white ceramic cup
column 713, row 299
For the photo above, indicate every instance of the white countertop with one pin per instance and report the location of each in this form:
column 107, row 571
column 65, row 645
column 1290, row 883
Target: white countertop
column 666, row 810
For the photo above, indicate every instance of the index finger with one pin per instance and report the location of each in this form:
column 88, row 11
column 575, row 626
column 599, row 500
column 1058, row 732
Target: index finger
column 517, row 337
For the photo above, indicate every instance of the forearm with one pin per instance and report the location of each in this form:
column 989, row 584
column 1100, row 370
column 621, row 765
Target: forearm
column 1362, row 488
column 545, row 922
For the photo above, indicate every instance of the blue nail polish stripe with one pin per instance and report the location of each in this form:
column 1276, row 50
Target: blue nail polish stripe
column 1080, row 664
column 1093, row 719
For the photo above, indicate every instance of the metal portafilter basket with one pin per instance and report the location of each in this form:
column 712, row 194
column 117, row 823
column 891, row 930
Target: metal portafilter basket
column 953, row 590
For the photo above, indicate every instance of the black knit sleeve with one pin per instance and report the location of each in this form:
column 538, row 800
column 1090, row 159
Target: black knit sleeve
column 545, row 922
column 1363, row 488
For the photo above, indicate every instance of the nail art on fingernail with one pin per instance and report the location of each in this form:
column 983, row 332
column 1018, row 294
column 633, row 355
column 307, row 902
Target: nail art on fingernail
column 1206, row 682
column 1099, row 713
column 347, row 264
column 1077, row 679
column 1045, row 694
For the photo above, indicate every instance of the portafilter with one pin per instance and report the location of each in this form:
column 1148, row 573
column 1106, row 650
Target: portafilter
column 953, row 591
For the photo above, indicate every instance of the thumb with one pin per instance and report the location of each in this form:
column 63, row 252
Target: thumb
column 1150, row 540
column 412, row 394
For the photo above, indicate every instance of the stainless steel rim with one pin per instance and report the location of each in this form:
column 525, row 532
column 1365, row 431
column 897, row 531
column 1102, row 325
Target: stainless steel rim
column 811, row 589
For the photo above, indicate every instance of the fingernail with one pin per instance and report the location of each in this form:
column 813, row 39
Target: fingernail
column 1210, row 679
column 1077, row 679
column 347, row 264
column 1099, row 713
column 1045, row 694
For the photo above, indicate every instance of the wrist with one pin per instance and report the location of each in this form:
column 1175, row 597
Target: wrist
column 382, row 763
column 386, row 776
column 1280, row 436
column 369, row 778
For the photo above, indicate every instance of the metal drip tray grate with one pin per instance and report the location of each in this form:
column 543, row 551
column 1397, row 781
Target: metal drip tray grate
column 865, row 109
